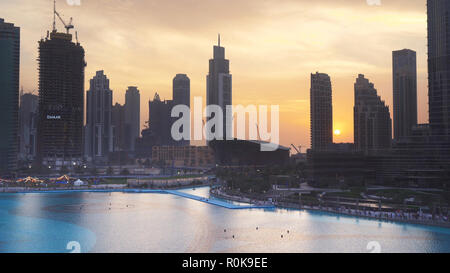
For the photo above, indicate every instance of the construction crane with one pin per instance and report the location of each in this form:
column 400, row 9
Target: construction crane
column 298, row 151
column 55, row 13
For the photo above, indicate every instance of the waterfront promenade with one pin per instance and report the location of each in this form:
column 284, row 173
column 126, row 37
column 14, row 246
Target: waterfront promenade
column 401, row 217
column 418, row 218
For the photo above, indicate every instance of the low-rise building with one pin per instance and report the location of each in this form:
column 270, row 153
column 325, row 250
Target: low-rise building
column 183, row 156
column 240, row 153
column 337, row 168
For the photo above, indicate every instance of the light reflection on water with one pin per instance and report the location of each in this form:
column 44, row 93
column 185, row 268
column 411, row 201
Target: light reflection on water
column 118, row 222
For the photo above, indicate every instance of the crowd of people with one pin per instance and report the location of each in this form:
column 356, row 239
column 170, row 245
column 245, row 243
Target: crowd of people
column 398, row 215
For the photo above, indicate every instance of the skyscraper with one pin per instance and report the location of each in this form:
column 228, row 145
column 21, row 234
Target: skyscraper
column 9, row 94
column 182, row 96
column 132, row 117
column 182, row 90
column 321, row 111
column 439, row 66
column 160, row 121
column 219, row 83
column 372, row 120
column 98, row 141
column 404, row 72
column 28, row 115
column 61, row 100
column 118, row 125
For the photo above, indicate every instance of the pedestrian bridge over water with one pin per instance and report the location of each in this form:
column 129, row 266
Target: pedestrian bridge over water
column 213, row 201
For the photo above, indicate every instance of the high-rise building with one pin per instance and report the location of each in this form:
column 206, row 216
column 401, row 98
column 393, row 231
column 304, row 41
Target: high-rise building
column 182, row 96
column 372, row 120
column 61, row 101
column 132, row 117
column 404, row 72
column 182, row 90
column 439, row 66
column 160, row 121
column 321, row 111
column 421, row 159
column 9, row 94
column 28, row 114
column 158, row 132
column 219, row 83
column 99, row 140
column 118, row 126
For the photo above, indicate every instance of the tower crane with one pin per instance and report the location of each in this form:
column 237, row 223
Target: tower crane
column 67, row 26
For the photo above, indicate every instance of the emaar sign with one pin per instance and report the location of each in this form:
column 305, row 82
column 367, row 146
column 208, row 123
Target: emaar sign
column 53, row 117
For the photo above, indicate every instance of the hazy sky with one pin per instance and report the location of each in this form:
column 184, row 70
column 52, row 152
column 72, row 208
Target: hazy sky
column 272, row 45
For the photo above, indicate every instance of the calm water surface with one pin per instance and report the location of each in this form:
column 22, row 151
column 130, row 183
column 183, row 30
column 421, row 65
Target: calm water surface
column 141, row 222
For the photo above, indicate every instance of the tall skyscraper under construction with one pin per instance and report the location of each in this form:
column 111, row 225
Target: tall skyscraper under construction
column 61, row 100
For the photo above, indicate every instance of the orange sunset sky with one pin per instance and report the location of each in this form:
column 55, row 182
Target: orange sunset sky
column 272, row 45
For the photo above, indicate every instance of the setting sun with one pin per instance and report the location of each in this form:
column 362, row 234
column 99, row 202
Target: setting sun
column 337, row 132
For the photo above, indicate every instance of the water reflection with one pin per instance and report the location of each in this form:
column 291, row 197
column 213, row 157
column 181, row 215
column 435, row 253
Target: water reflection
column 119, row 222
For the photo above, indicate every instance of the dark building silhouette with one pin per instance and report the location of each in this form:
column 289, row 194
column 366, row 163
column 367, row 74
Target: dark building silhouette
column 99, row 132
column 239, row 153
column 404, row 72
column 9, row 94
column 422, row 158
column 417, row 160
column 183, row 156
column 119, row 155
column 182, row 90
column 372, row 120
column 160, row 121
column 158, row 132
column 336, row 166
column 118, row 125
column 145, row 144
column 132, row 117
column 321, row 111
column 61, row 100
column 28, row 115
column 439, row 66
column 219, row 83
column 182, row 96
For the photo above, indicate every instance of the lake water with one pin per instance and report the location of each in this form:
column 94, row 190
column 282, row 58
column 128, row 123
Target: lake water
column 147, row 222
